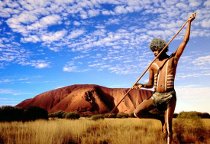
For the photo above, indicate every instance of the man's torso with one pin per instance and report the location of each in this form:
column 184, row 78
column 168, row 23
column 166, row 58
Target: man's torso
column 164, row 74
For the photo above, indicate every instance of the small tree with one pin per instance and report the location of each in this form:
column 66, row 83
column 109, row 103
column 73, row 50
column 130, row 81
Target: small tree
column 9, row 113
column 72, row 115
column 110, row 115
column 34, row 113
column 205, row 115
column 58, row 114
column 122, row 115
column 97, row 117
column 189, row 115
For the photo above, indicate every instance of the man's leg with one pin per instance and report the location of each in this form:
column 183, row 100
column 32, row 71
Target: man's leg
column 145, row 106
column 167, row 127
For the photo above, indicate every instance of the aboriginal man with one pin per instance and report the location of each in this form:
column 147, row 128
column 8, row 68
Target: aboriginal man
column 161, row 76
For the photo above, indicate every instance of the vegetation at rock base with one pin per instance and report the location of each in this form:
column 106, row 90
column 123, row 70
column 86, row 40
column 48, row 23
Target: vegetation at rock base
column 62, row 115
column 97, row 117
column 58, row 114
column 193, row 115
column 72, row 115
column 9, row 114
column 21, row 126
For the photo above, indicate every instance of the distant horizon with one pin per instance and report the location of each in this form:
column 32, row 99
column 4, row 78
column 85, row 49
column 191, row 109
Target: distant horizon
column 49, row 44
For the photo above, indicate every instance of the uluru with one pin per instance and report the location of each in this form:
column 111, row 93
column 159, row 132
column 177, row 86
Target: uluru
column 87, row 99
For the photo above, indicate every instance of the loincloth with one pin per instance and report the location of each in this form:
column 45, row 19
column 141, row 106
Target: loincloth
column 161, row 100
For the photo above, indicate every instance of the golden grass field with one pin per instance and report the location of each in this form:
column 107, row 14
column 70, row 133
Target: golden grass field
column 103, row 131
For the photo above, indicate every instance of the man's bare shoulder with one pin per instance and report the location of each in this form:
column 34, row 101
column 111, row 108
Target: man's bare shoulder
column 174, row 58
column 154, row 66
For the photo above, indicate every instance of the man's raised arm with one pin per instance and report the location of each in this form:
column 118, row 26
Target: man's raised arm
column 182, row 46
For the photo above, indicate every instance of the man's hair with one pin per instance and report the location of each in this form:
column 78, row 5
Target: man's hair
column 158, row 44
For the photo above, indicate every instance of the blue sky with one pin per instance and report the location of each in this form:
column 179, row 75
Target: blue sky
column 48, row 44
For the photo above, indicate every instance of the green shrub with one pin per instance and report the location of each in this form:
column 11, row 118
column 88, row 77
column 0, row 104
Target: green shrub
column 34, row 113
column 97, row 117
column 189, row 115
column 72, row 115
column 110, row 115
column 122, row 115
column 9, row 113
column 204, row 115
column 58, row 114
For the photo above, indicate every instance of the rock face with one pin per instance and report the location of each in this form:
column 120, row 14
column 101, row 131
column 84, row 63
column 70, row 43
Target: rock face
column 87, row 99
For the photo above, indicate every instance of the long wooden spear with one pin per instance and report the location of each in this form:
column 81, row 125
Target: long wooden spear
column 149, row 66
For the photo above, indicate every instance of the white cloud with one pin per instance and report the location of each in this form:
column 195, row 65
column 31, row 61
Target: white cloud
column 124, row 9
column 182, row 5
column 33, row 4
column 205, row 23
column 45, row 22
column 53, row 36
column 207, row 3
column 5, row 81
column 76, row 66
column 93, row 13
column 15, row 25
column 17, row 22
column 113, row 21
column 194, row 74
column 76, row 33
column 106, row 12
column 5, row 13
column 83, row 14
column 194, row 66
column 8, row 91
column 41, row 65
column 69, row 68
column 50, row 20
column 26, row 18
column 31, row 38
column 76, row 23
column 11, row 52
column 203, row 60
column 134, row 2
column 120, row 10
column 195, row 3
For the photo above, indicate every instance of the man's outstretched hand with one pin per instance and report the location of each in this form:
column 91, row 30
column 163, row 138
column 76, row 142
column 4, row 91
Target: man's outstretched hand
column 192, row 17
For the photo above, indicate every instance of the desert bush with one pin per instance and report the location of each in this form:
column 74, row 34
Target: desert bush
column 97, row 117
column 190, row 130
column 203, row 115
column 9, row 113
column 58, row 114
column 72, row 115
column 110, row 115
column 189, row 115
column 34, row 113
column 122, row 115
column 175, row 115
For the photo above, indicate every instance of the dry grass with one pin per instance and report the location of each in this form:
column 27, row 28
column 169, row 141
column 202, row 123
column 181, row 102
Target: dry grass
column 107, row 131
